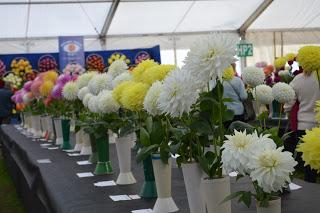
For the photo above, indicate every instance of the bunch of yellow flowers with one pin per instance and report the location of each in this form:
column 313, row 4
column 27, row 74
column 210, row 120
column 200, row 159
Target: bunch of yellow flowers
column 21, row 67
column 130, row 94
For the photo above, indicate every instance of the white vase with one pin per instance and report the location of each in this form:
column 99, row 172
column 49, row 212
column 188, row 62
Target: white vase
column 78, row 145
column 192, row 175
column 27, row 123
column 50, row 127
column 44, row 127
column 162, row 174
column 274, row 207
column 58, row 128
column 36, row 126
column 214, row 192
column 112, row 138
column 86, row 145
column 123, row 146
column 72, row 125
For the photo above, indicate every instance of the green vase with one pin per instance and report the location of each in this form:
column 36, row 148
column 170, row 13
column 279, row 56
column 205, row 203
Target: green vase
column 149, row 189
column 103, row 165
column 94, row 155
column 65, row 123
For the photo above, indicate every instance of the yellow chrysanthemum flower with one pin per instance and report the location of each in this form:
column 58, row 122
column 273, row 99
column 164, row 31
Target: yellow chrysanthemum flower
column 280, row 62
column 138, row 71
column 317, row 110
column 228, row 73
column 156, row 73
column 290, row 56
column 50, row 76
column 310, row 148
column 309, row 58
column 133, row 96
column 46, row 88
column 117, row 91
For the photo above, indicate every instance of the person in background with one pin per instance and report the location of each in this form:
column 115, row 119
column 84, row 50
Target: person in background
column 234, row 88
column 307, row 92
column 6, row 105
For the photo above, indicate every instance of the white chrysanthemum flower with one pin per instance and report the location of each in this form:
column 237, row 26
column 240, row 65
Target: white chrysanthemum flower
column 272, row 168
column 121, row 78
column 284, row 73
column 283, row 93
column 210, row 56
column 117, row 68
column 82, row 92
column 150, row 103
column 263, row 94
column 86, row 99
column 106, row 102
column 93, row 104
column 70, row 91
column 99, row 82
column 253, row 76
column 179, row 92
column 84, row 79
column 237, row 151
column 263, row 142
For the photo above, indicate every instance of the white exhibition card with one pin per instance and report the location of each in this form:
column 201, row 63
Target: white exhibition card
column 44, row 161
column 294, row 186
column 85, row 174
column 119, row 197
column 142, row 211
column 84, row 162
column 53, row 148
column 105, row 183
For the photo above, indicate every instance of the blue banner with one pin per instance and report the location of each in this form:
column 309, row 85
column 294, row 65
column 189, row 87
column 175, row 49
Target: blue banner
column 71, row 51
column 93, row 59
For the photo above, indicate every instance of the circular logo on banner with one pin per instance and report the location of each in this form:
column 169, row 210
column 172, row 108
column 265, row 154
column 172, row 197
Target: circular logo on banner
column 71, row 47
column 141, row 56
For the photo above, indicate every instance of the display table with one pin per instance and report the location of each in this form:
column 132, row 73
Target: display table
column 55, row 187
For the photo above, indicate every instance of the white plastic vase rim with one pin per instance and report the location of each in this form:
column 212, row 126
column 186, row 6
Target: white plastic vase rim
column 155, row 156
column 216, row 180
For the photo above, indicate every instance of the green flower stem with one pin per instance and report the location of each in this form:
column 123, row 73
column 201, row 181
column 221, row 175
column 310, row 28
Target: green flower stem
column 280, row 115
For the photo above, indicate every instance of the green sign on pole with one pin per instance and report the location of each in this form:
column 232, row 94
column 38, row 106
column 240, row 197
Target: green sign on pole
column 244, row 49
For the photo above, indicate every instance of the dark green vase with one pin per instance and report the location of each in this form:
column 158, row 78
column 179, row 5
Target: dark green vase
column 149, row 189
column 94, row 155
column 65, row 134
column 103, row 165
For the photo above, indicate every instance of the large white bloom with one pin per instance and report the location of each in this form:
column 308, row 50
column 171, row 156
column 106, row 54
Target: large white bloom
column 237, row 151
column 70, row 91
column 179, row 92
column 100, row 82
column 117, row 68
column 210, row 56
column 106, row 102
column 253, row 76
column 263, row 94
column 284, row 73
column 93, row 104
column 121, row 78
column 150, row 103
column 86, row 99
column 283, row 92
column 272, row 168
column 84, row 79
column 82, row 92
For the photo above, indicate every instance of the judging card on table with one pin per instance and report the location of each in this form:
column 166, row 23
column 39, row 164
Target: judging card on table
column 294, row 186
column 44, row 161
column 73, row 154
column 85, row 174
column 45, row 144
column 134, row 197
column 119, row 197
column 142, row 211
column 53, row 148
column 84, row 162
column 105, row 183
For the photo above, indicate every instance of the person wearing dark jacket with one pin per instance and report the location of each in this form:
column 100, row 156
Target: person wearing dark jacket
column 6, row 105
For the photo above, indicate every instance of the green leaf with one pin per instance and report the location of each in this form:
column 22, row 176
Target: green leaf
column 228, row 115
column 232, row 196
column 201, row 127
column 241, row 126
column 146, row 151
column 263, row 116
column 158, row 132
column 246, row 198
column 144, row 137
column 164, row 152
column 149, row 124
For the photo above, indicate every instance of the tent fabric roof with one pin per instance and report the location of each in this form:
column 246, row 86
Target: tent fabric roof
column 52, row 18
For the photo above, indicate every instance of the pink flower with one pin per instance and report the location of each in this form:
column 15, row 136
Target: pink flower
column 56, row 92
column 27, row 86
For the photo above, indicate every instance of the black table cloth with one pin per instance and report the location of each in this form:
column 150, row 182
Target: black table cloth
column 55, row 187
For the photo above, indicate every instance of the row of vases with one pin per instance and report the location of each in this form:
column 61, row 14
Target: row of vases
column 206, row 195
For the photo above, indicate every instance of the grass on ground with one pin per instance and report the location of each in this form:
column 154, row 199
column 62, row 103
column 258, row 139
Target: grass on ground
column 9, row 201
